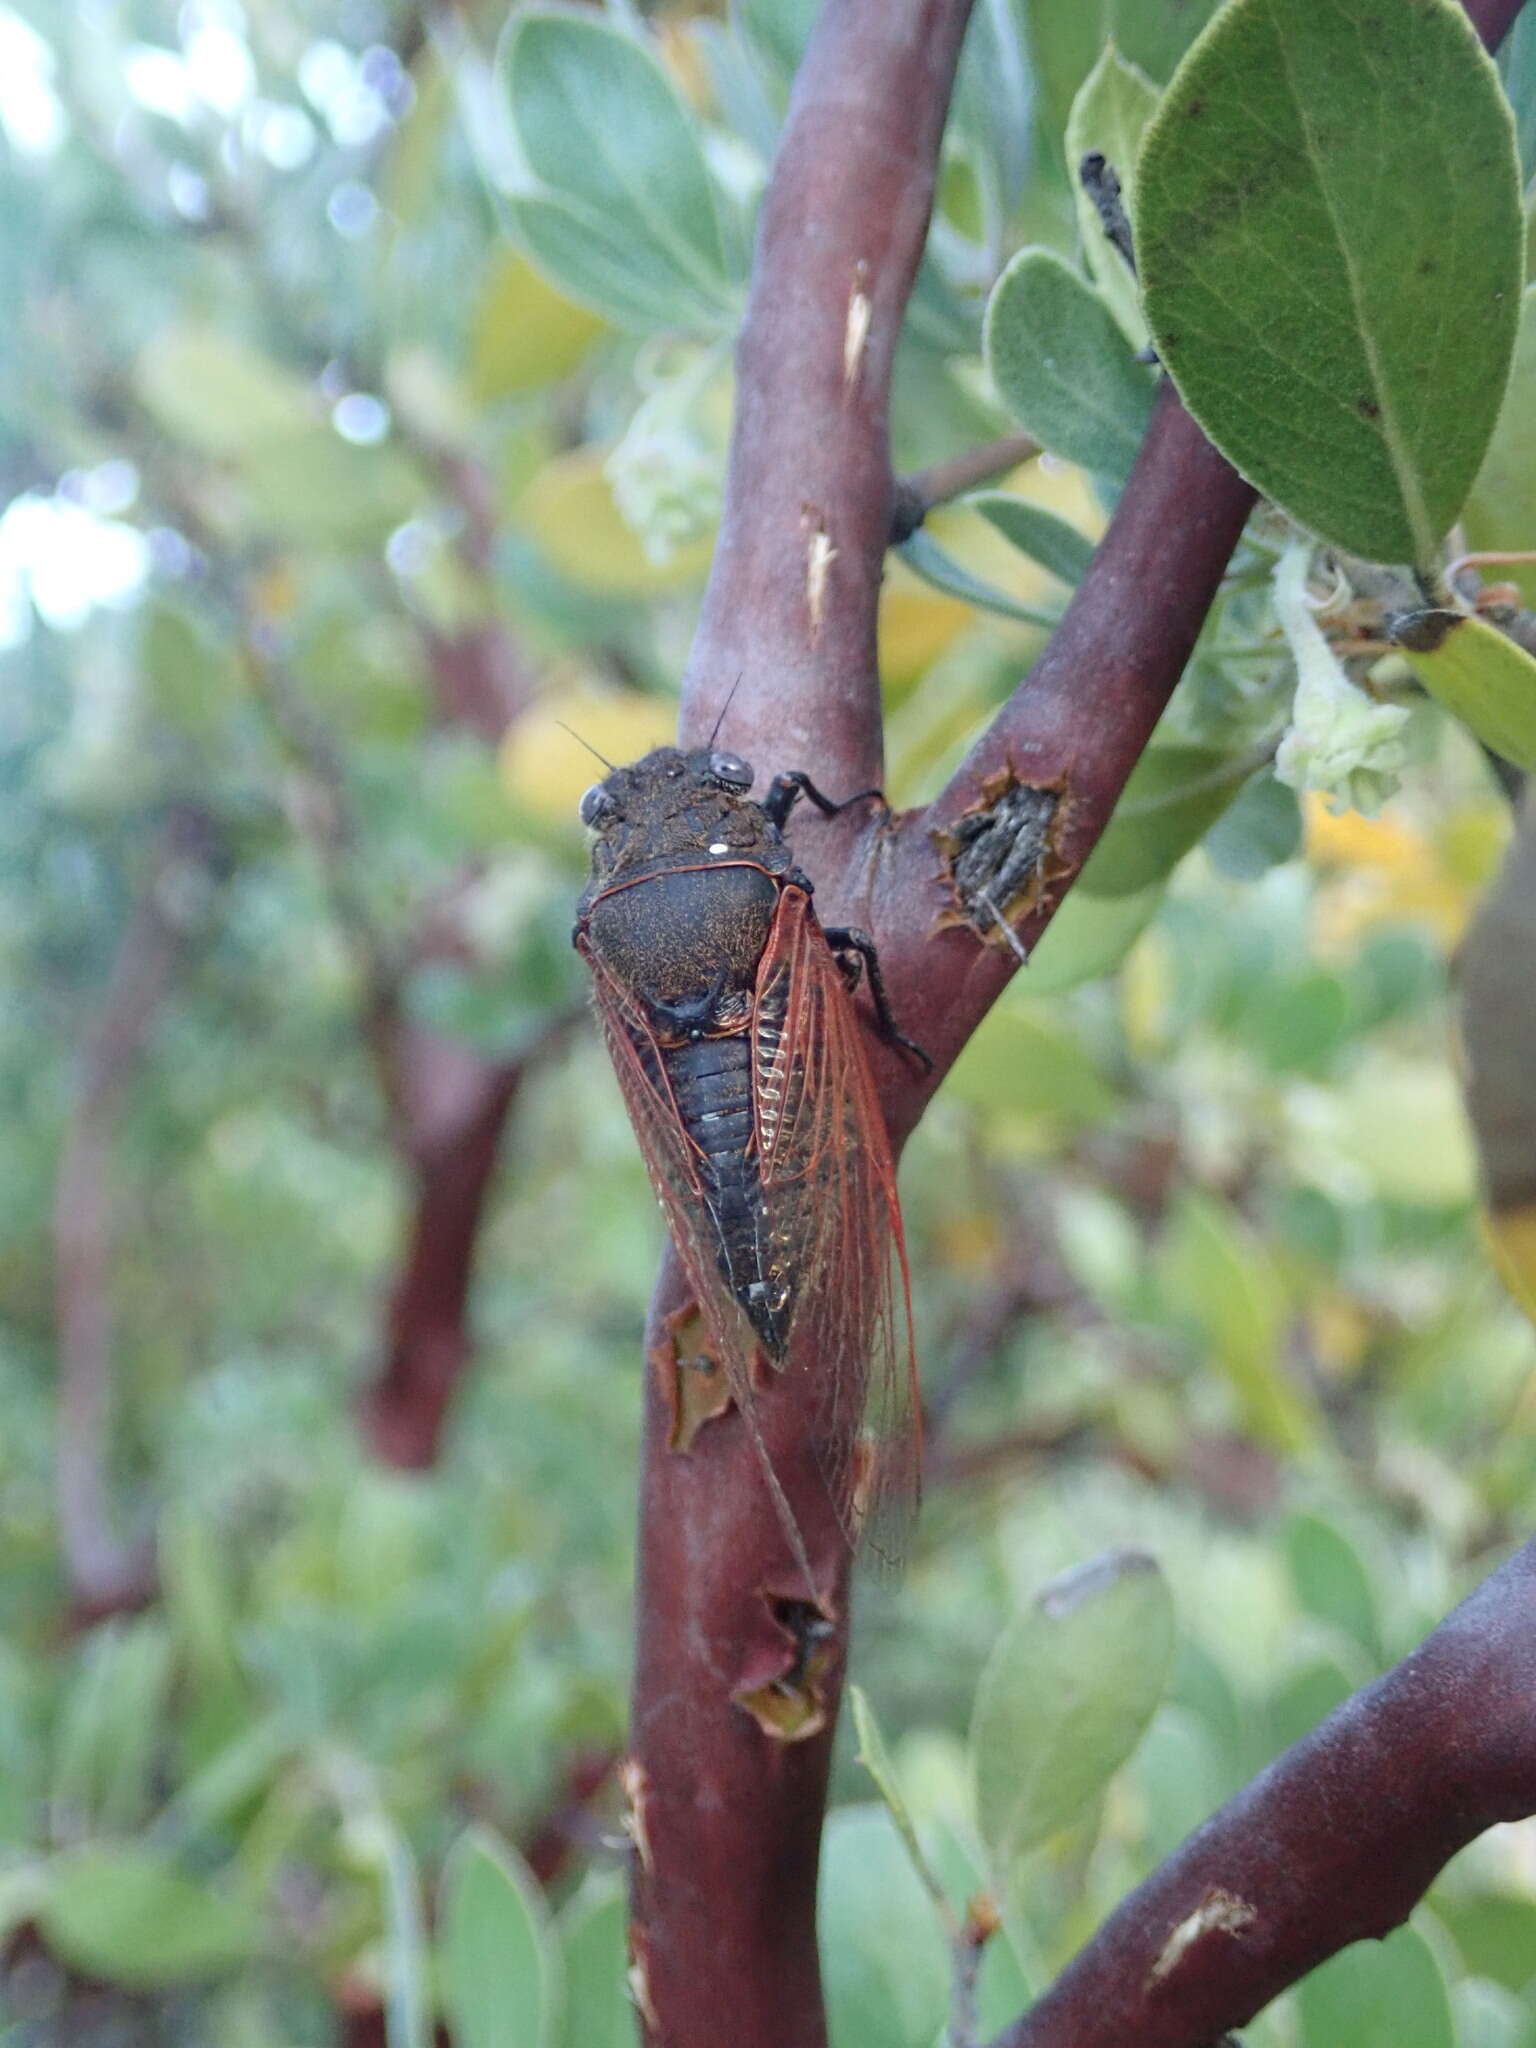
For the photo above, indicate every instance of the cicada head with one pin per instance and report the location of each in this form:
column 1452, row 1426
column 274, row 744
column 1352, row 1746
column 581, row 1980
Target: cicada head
column 673, row 804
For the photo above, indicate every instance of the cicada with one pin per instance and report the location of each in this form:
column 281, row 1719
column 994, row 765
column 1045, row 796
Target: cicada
column 729, row 1014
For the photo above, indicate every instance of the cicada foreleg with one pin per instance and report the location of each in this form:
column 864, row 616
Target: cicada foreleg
column 856, row 950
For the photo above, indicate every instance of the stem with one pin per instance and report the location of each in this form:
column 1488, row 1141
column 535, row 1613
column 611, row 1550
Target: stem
column 916, row 495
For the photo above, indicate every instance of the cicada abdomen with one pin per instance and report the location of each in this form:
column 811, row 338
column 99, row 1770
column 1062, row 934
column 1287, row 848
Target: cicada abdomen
column 728, row 1013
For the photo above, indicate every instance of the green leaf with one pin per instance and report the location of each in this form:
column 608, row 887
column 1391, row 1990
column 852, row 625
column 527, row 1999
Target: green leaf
column 594, row 1939
column 1220, row 1278
column 1175, row 794
column 1387, row 1994
column 1306, row 1696
column 130, row 1915
column 1024, row 1064
column 1479, row 675
column 1114, row 103
column 620, row 210
column 923, row 554
column 885, row 1962
column 1495, row 1932
column 1064, row 1699
column 1488, row 2016
column 1053, row 543
column 1088, row 937
column 1259, row 830
column 1501, row 512
column 216, row 394
column 497, row 1965
column 1065, row 42
column 876, row 1759
column 1333, row 285
column 1332, row 1581
column 1063, row 368
column 112, row 1725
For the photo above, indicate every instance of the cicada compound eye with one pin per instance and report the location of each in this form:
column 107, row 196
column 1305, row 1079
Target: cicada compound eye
column 730, row 771
column 595, row 805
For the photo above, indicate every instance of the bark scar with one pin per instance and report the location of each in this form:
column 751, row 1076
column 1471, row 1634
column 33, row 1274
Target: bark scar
column 637, row 1798
column 1219, row 1912
column 820, row 554
column 856, row 327
column 695, row 1386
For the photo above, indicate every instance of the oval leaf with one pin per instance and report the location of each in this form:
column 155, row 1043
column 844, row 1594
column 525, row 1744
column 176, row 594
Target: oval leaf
column 1114, row 103
column 885, row 1961
column 1175, row 793
column 1329, row 233
column 130, row 1915
column 1053, row 543
column 1478, row 674
column 496, row 1962
column 620, row 210
column 1065, row 1697
column 1387, row 1994
column 1063, row 368
column 594, row 1939
column 926, row 558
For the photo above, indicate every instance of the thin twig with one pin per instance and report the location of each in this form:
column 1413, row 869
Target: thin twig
column 915, row 496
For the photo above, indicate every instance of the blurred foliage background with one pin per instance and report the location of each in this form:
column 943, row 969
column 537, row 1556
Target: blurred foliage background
column 324, row 507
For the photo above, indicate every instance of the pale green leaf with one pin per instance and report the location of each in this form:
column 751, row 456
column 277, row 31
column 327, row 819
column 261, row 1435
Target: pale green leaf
column 1332, row 1580
column 1062, row 366
column 1088, row 937
column 874, row 1755
column 885, row 1962
column 1051, row 541
column 1114, row 103
column 594, row 1941
column 1386, row 1994
column 1065, row 43
column 1501, row 512
column 1328, row 229
column 935, row 565
column 1479, row 674
column 1064, row 1699
column 1174, row 795
column 1218, row 1276
column 218, row 395
column 497, row 1964
column 131, row 1915
column 1022, row 1063
column 619, row 209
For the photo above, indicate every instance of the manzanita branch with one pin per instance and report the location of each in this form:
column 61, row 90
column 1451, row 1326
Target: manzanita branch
column 1336, row 1842
column 739, row 1663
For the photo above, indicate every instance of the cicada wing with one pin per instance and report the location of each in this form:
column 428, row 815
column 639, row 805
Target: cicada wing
column 829, row 1189
column 672, row 1163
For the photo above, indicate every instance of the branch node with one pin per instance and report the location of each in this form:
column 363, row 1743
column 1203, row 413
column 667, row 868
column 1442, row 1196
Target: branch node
column 635, row 1786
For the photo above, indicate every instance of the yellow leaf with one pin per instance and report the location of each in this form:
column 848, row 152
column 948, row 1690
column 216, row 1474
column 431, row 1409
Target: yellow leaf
column 569, row 510
column 1403, row 1122
column 525, row 333
column 545, row 770
column 1480, row 675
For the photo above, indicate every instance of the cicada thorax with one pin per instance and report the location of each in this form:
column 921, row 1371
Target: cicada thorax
column 689, row 944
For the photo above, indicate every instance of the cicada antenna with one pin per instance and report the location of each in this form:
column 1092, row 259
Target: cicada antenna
column 720, row 720
column 576, row 736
